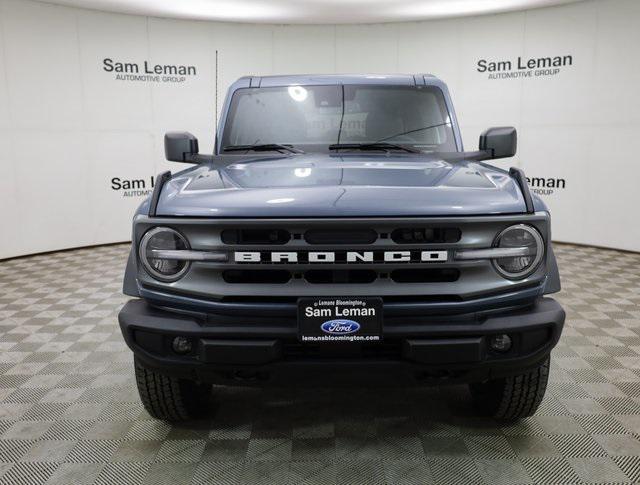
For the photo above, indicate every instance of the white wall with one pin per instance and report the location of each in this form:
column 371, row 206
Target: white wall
column 67, row 127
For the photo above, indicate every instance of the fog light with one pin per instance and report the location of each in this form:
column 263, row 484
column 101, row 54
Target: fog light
column 181, row 345
column 500, row 343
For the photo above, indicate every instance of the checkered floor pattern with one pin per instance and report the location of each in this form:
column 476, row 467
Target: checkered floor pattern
column 70, row 414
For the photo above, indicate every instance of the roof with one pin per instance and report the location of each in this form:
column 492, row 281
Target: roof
column 310, row 79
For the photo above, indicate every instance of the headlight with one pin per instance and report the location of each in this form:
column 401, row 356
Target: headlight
column 155, row 251
column 527, row 246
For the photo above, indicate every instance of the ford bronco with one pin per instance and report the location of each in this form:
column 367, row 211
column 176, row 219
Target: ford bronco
column 339, row 232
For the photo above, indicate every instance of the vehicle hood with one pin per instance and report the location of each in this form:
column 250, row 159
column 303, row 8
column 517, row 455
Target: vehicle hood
column 329, row 185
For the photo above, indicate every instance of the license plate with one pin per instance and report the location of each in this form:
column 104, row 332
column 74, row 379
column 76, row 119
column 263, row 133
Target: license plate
column 344, row 319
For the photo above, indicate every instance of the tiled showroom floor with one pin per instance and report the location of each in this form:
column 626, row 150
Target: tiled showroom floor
column 70, row 414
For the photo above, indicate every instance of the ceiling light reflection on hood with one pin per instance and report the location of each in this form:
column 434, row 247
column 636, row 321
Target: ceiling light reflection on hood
column 302, row 172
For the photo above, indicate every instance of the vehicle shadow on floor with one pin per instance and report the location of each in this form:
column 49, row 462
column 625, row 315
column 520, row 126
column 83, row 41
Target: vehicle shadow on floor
column 349, row 411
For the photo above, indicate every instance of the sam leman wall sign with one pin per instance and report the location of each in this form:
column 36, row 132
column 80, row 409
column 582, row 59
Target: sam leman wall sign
column 523, row 67
column 546, row 185
column 133, row 187
column 146, row 71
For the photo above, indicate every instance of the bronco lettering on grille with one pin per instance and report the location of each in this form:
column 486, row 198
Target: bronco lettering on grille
column 340, row 256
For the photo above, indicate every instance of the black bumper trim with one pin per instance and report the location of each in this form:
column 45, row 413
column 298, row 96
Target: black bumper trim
column 517, row 297
column 447, row 348
column 438, row 351
column 243, row 352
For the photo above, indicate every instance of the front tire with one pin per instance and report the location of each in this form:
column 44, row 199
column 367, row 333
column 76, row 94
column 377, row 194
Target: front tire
column 169, row 398
column 514, row 397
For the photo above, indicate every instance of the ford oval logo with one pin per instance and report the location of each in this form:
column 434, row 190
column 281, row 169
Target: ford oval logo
column 341, row 327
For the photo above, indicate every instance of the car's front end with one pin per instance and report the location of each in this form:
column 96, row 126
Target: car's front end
column 460, row 315
column 326, row 267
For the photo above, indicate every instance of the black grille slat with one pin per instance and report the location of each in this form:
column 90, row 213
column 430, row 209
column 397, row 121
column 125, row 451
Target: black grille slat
column 401, row 299
column 260, row 276
column 328, row 276
column 425, row 275
column 340, row 236
column 256, row 236
column 426, row 235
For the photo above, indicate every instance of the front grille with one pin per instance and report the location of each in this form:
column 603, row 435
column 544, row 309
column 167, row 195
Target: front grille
column 295, row 257
column 406, row 261
column 271, row 263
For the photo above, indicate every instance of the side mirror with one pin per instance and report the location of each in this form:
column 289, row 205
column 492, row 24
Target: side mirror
column 180, row 146
column 499, row 142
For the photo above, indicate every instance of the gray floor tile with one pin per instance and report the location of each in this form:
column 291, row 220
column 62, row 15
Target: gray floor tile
column 75, row 473
column 598, row 470
column 312, row 472
column 225, row 450
column 503, row 471
column 169, row 473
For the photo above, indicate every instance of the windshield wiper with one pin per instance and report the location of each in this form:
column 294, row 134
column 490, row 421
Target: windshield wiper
column 372, row 146
column 414, row 131
column 264, row 147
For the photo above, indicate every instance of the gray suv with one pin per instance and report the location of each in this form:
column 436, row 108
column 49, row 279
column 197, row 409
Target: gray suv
column 340, row 233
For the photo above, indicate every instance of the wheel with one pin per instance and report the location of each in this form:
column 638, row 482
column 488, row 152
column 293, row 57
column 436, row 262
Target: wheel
column 513, row 397
column 169, row 398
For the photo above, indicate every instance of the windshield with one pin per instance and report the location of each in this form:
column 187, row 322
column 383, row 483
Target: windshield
column 312, row 118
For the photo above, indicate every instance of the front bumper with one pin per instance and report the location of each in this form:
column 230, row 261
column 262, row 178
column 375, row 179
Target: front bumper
column 266, row 350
